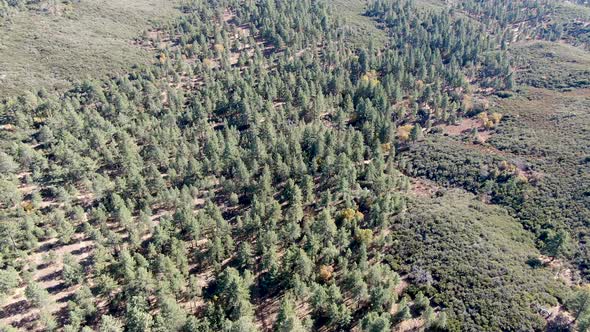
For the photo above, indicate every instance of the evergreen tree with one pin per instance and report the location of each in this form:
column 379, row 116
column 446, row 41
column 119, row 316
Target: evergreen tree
column 287, row 319
column 110, row 324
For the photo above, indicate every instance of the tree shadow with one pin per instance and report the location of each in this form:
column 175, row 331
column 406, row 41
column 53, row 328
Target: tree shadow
column 47, row 247
column 82, row 250
column 86, row 262
column 43, row 266
column 51, row 276
column 66, row 298
column 16, row 308
column 57, row 288
column 26, row 322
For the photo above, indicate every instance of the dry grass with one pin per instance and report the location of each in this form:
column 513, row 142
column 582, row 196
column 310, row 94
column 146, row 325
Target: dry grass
column 91, row 39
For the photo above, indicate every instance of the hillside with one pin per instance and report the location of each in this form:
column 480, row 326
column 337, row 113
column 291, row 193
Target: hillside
column 313, row 165
column 51, row 44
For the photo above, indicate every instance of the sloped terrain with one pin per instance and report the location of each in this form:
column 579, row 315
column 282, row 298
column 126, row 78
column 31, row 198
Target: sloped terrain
column 471, row 258
column 293, row 166
column 52, row 44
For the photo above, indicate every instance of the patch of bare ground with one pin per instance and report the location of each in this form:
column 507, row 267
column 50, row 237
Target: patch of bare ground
column 462, row 127
column 562, row 270
column 45, row 264
column 47, row 272
column 558, row 312
column 25, row 188
column 399, row 290
column 402, row 286
column 266, row 313
column 414, row 324
column 584, row 93
column 423, row 188
column 228, row 15
column 465, row 126
column 204, row 278
column 483, row 136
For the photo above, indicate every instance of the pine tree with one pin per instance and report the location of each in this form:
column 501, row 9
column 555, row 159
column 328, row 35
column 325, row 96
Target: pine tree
column 375, row 322
column 110, row 324
column 36, row 295
column 137, row 316
column 234, row 294
column 416, row 133
column 287, row 319
column 72, row 271
column 245, row 258
column 9, row 279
